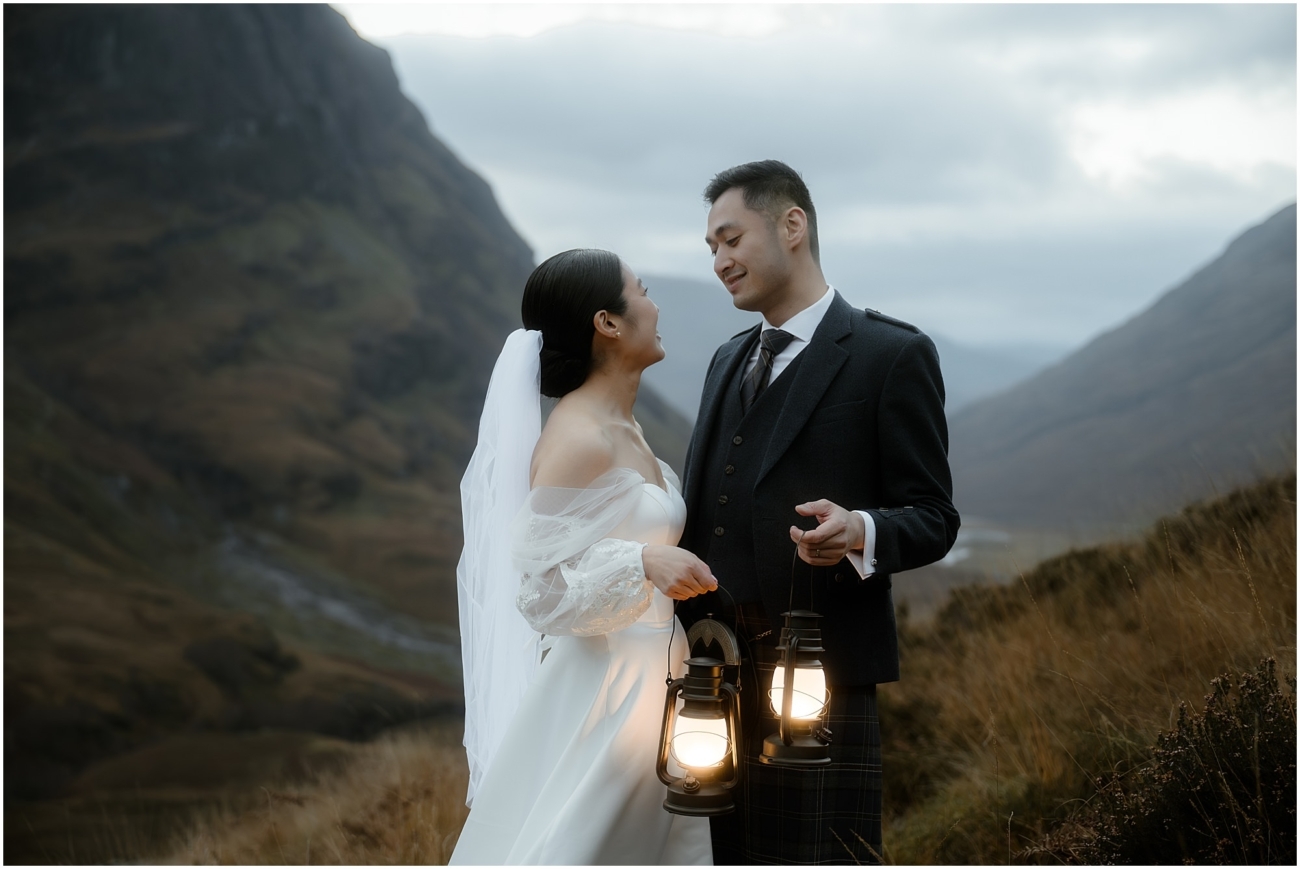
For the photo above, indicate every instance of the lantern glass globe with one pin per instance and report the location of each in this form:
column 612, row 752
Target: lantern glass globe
column 699, row 742
column 809, row 692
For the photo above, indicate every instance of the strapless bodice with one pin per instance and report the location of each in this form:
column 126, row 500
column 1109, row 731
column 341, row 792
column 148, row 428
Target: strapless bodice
column 659, row 517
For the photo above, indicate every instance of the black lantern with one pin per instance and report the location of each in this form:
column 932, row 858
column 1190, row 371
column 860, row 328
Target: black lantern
column 703, row 736
column 799, row 696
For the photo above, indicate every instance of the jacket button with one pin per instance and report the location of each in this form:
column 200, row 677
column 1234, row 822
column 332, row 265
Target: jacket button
column 729, row 470
column 722, row 499
column 737, row 440
column 719, row 531
column 839, row 577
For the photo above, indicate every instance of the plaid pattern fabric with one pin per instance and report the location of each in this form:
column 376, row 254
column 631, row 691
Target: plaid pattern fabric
column 829, row 814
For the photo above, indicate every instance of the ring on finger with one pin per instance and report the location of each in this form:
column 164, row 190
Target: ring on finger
column 817, row 553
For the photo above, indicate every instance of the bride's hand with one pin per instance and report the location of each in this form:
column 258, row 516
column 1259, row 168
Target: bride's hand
column 676, row 572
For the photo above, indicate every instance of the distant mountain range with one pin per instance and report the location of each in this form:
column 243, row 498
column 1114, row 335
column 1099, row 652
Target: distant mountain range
column 251, row 309
column 971, row 373
column 697, row 316
column 1193, row 396
column 694, row 319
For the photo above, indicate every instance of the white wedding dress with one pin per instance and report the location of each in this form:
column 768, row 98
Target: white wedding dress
column 573, row 781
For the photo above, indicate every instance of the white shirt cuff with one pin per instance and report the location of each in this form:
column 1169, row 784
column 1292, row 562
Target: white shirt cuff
column 864, row 562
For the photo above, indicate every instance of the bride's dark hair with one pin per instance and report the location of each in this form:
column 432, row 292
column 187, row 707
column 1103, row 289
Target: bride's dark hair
column 561, row 299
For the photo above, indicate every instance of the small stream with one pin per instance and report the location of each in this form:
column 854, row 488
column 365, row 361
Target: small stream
column 327, row 611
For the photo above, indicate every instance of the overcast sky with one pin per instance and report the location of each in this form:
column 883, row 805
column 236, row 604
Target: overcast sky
column 997, row 174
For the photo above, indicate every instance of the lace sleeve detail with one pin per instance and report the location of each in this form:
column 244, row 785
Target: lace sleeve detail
column 602, row 590
column 577, row 580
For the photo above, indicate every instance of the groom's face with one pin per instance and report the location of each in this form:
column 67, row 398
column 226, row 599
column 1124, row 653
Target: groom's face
column 747, row 254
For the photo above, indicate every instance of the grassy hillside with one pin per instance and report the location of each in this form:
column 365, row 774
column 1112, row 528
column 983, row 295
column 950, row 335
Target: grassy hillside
column 1017, row 706
column 1015, row 701
column 399, row 800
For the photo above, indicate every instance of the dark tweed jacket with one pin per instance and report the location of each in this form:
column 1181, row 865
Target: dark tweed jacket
column 863, row 425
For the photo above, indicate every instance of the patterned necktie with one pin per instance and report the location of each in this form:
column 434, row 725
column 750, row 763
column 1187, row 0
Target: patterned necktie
column 771, row 343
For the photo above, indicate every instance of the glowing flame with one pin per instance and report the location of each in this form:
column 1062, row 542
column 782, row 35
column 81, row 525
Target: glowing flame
column 699, row 742
column 809, row 692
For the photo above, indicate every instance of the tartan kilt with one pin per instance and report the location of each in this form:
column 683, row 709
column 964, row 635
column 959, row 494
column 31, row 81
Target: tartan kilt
column 828, row 814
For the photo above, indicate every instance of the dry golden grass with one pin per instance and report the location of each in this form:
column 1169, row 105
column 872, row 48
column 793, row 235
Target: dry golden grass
column 400, row 801
column 1015, row 700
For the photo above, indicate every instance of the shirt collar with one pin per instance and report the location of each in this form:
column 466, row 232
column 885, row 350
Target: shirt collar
column 803, row 324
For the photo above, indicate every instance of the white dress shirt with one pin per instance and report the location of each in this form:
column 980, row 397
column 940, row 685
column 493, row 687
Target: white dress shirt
column 802, row 326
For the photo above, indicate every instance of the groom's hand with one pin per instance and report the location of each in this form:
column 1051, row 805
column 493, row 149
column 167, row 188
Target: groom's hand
column 838, row 532
column 676, row 572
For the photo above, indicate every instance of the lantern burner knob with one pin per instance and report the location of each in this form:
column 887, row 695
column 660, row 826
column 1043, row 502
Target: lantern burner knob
column 691, row 784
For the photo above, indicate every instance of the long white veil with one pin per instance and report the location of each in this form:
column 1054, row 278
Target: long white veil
column 499, row 651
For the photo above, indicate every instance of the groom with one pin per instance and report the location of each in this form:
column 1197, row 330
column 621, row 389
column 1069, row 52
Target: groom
column 820, row 431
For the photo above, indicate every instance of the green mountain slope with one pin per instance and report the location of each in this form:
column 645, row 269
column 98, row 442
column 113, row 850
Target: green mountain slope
column 251, row 309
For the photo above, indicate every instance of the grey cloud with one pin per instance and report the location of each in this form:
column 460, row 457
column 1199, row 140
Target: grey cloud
column 1191, row 44
column 627, row 106
column 1046, row 287
column 605, row 134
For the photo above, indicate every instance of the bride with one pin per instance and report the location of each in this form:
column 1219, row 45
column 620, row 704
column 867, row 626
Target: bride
column 566, row 586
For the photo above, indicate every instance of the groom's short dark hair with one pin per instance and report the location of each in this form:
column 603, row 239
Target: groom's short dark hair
column 769, row 187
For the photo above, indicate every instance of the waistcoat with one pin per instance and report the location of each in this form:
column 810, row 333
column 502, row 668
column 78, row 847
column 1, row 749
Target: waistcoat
column 724, row 518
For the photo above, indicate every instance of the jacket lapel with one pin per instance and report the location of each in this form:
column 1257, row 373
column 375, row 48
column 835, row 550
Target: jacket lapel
column 733, row 354
column 821, row 361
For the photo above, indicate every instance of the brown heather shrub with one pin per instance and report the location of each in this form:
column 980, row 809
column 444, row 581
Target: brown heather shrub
column 401, row 800
column 1220, row 787
column 1018, row 699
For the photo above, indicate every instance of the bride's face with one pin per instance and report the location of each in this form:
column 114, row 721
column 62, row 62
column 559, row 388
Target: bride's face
column 640, row 330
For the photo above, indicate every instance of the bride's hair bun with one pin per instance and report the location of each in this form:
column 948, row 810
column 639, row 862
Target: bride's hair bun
column 562, row 372
column 561, row 299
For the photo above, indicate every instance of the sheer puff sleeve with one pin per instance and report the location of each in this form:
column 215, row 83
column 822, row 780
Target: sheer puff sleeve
column 577, row 580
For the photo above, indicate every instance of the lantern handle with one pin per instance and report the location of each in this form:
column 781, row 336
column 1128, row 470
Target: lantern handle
column 671, row 636
column 665, row 735
column 794, row 563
